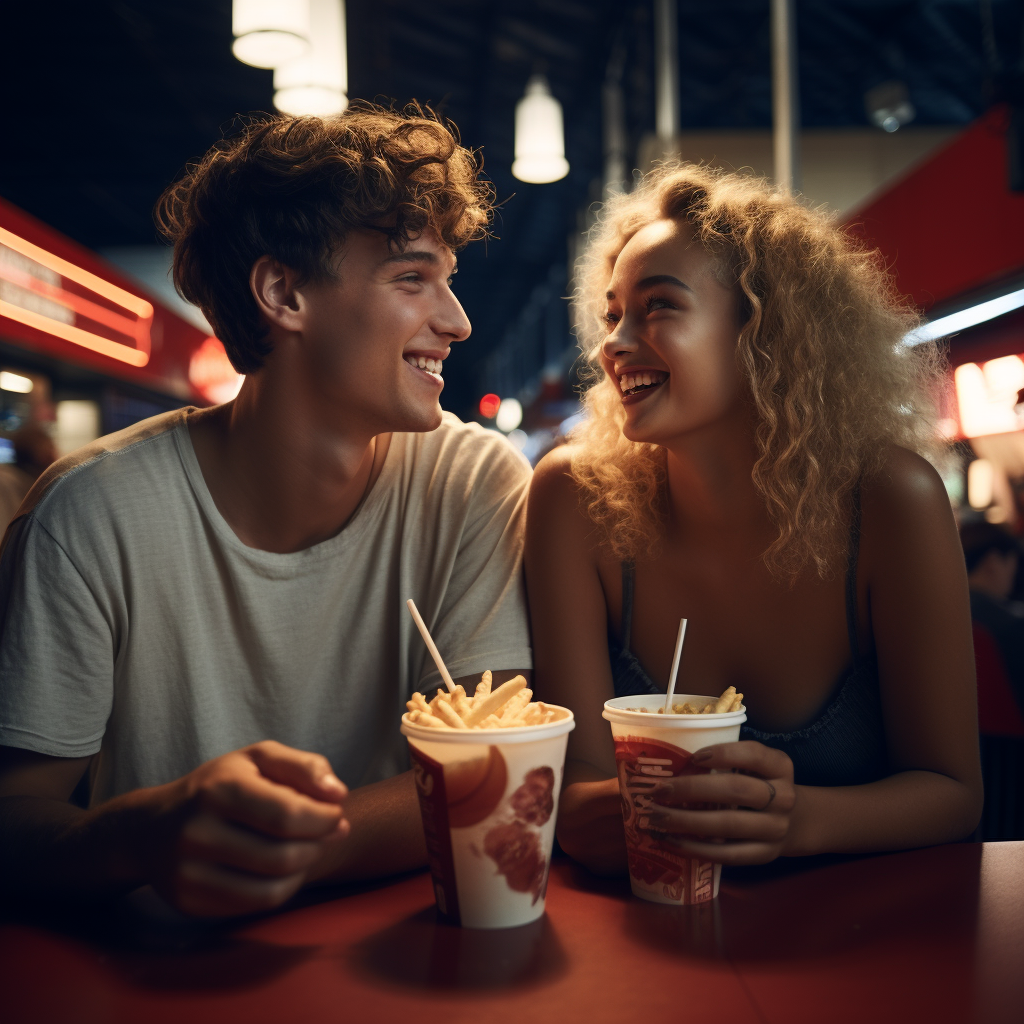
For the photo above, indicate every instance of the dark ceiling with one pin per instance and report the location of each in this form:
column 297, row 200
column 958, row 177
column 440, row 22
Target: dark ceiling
column 108, row 100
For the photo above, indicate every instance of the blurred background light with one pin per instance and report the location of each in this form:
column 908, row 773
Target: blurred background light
column 888, row 105
column 510, row 414
column 317, row 82
column 519, row 438
column 980, row 483
column 540, row 136
column 211, row 372
column 269, row 32
column 489, row 406
column 970, row 317
column 15, row 382
column 77, row 423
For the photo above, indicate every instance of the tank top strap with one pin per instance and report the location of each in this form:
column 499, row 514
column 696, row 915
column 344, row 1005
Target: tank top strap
column 628, row 580
column 853, row 554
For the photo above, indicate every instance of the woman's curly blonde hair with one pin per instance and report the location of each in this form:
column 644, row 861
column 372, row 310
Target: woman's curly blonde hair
column 820, row 349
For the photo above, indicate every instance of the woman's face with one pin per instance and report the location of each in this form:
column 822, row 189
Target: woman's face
column 672, row 334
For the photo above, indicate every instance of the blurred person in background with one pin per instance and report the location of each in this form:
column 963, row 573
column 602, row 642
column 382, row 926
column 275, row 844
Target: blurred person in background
column 752, row 460
column 992, row 556
column 206, row 611
column 34, row 450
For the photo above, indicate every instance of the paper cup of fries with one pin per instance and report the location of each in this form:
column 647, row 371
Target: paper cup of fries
column 488, row 770
column 650, row 745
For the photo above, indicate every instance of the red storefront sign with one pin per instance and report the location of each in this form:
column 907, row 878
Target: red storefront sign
column 60, row 299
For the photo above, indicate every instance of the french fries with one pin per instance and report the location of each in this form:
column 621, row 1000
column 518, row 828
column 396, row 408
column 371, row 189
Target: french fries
column 729, row 701
column 506, row 707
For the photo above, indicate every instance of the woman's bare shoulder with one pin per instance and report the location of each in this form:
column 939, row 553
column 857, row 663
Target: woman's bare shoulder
column 907, row 517
column 553, row 486
column 905, row 485
column 557, row 507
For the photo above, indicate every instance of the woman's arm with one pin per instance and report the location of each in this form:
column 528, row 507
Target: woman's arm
column 569, row 618
column 921, row 623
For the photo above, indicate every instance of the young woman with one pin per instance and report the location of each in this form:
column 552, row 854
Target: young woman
column 752, row 460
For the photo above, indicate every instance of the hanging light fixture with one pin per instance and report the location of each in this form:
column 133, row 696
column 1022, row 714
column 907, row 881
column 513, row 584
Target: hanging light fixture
column 540, row 138
column 317, row 82
column 269, row 32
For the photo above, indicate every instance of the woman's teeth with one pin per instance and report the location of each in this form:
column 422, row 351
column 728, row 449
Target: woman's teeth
column 632, row 382
column 432, row 366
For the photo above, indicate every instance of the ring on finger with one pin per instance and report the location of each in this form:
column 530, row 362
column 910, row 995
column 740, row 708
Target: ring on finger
column 771, row 797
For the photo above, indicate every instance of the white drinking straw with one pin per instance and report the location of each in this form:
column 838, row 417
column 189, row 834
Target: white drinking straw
column 675, row 665
column 431, row 646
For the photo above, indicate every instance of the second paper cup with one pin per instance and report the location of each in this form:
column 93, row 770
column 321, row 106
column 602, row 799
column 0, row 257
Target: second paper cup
column 651, row 746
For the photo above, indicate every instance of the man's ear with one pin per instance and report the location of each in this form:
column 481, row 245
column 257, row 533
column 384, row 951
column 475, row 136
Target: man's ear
column 274, row 286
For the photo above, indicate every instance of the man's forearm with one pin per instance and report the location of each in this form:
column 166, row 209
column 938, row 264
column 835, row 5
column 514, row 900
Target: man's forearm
column 909, row 809
column 386, row 835
column 52, row 848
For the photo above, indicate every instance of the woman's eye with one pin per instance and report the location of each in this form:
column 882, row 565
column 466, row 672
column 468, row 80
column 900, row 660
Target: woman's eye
column 655, row 303
column 610, row 318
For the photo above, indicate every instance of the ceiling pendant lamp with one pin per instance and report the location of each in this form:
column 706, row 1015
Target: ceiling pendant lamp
column 317, row 82
column 540, row 137
column 269, row 32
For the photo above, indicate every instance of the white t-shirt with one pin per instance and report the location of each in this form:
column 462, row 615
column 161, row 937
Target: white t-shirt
column 135, row 624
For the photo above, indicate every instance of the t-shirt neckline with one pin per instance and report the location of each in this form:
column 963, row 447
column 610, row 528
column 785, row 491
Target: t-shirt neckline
column 364, row 515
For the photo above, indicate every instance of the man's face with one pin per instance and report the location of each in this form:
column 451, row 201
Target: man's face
column 376, row 335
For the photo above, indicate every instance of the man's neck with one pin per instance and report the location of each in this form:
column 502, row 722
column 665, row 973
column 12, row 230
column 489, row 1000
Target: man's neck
column 282, row 478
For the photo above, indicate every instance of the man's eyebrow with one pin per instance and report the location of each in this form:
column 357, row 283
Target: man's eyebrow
column 653, row 281
column 415, row 256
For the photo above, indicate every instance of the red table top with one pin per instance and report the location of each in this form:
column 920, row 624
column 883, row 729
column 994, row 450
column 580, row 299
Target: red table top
column 930, row 935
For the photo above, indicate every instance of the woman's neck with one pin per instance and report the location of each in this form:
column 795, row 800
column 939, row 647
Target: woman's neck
column 710, row 476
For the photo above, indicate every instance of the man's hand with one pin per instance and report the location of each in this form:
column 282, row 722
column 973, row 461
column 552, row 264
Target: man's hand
column 242, row 832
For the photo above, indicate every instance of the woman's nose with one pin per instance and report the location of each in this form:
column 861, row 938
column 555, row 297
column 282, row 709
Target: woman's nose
column 619, row 342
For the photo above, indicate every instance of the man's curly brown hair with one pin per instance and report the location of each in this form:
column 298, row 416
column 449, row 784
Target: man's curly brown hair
column 294, row 187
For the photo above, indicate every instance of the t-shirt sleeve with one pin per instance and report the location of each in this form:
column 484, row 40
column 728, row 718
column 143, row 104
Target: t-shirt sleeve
column 56, row 649
column 483, row 619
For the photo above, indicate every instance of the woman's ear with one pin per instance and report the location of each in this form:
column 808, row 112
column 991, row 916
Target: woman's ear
column 274, row 287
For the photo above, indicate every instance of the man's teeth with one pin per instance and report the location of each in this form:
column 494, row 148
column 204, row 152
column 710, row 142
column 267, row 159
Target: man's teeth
column 432, row 366
column 648, row 378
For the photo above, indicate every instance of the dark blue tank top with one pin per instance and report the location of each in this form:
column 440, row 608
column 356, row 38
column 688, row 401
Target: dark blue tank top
column 845, row 744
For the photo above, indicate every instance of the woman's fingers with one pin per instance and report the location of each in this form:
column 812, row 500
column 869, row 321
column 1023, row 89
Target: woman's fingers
column 724, row 824
column 725, row 853
column 746, row 756
column 724, row 788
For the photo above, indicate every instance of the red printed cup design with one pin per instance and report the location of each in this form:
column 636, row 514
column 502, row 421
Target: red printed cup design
column 657, row 871
column 488, row 811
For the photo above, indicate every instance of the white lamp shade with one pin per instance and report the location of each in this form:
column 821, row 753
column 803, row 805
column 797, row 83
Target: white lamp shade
column 540, row 137
column 310, row 100
column 269, row 32
column 317, row 82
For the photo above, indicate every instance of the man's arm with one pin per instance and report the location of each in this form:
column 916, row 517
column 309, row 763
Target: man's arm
column 239, row 834
column 387, row 835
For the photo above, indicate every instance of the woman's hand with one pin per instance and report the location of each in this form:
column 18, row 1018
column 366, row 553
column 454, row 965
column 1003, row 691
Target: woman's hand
column 754, row 782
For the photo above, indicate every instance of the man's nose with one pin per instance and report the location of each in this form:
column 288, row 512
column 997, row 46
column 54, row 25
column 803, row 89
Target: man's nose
column 453, row 322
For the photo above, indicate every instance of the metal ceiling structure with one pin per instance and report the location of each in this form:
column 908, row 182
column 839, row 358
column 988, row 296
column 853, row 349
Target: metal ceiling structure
column 107, row 101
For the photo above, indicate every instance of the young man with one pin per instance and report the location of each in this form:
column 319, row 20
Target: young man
column 207, row 610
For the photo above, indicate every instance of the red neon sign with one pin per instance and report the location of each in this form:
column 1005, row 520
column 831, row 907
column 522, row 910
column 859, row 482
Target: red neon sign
column 51, row 294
